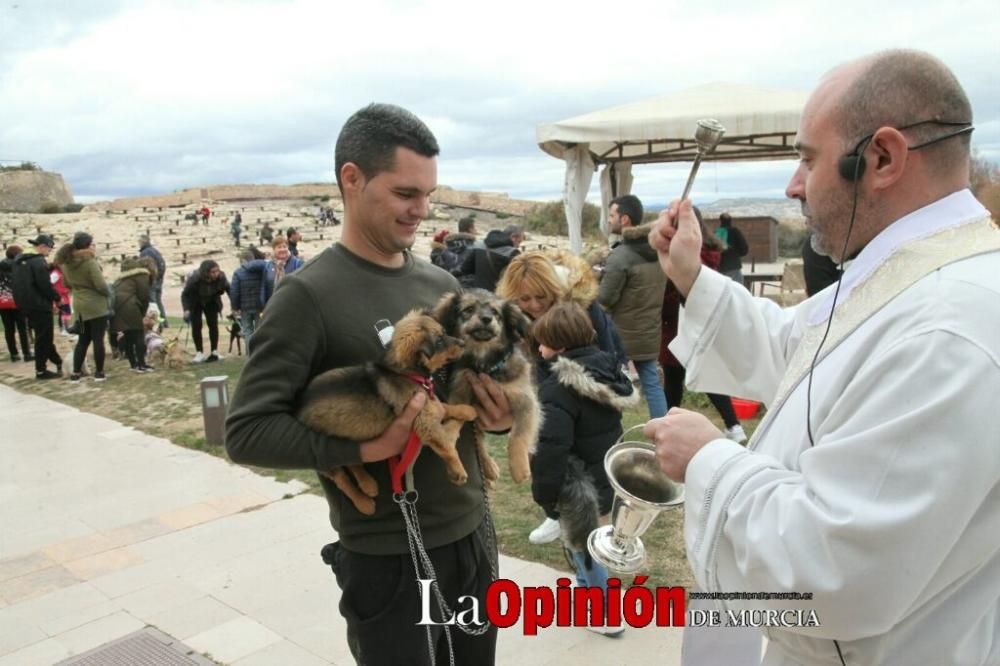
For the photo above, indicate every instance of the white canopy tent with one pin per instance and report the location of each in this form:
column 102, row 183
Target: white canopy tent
column 760, row 125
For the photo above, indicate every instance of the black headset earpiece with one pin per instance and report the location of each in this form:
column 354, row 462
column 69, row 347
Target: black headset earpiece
column 851, row 167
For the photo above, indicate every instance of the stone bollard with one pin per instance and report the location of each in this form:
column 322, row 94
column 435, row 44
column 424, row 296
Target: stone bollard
column 184, row 257
column 178, row 241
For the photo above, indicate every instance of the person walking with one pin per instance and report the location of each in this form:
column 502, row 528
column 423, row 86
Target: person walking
column 147, row 249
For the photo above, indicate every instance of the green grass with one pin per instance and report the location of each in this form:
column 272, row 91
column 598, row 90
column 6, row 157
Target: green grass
column 167, row 404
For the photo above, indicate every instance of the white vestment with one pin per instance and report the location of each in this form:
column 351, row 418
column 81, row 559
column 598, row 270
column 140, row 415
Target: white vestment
column 892, row 519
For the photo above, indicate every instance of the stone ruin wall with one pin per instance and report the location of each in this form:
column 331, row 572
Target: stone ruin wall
column 27, row 191
column 492, row 201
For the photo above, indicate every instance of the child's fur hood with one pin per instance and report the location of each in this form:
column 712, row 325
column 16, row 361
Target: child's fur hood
column 575, row 377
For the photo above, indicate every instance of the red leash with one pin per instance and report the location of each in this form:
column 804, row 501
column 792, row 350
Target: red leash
column 398, row 465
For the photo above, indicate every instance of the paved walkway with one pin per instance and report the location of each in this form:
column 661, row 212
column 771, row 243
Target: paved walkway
column 105, row 530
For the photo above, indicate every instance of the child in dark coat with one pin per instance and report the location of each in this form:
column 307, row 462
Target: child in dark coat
column 583, row 393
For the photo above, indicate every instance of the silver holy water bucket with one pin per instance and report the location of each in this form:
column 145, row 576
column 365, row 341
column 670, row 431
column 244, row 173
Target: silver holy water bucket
column 642, row 491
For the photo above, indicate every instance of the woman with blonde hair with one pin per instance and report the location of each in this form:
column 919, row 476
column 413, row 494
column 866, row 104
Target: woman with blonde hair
column 535, row 281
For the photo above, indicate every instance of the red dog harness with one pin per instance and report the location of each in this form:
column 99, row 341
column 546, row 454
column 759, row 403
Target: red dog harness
column 399, row 465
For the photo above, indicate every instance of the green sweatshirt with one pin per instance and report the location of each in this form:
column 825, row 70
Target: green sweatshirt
column 323, row 316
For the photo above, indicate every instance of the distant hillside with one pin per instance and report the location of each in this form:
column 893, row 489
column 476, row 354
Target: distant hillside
column 786, row 211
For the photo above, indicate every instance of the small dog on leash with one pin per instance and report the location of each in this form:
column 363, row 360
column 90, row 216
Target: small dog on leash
column 235, row 334
column 492, row 330
column 359, row 402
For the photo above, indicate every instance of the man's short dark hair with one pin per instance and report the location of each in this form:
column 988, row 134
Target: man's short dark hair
column 466, row 224
column 902, row 87
column 370, row 137
column 629, row 204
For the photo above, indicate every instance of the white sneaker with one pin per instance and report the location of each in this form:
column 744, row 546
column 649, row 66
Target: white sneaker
column 198, row 358
column 547, row 532
column 611, row 632
column 215, row 356
column 736, row 434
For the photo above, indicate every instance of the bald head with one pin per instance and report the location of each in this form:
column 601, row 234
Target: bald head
column 898, row 88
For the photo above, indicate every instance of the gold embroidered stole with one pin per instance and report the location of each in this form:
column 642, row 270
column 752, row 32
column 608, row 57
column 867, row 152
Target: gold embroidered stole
column 907, row 265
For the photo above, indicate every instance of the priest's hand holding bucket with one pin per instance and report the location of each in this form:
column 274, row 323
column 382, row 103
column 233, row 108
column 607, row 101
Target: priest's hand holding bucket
column 642, row 491
column 678, row 436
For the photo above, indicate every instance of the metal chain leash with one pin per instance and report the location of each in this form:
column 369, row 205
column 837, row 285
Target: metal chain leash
column 422, row 561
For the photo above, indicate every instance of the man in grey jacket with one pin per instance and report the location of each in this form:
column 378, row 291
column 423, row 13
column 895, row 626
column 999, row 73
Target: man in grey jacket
column 632, row 292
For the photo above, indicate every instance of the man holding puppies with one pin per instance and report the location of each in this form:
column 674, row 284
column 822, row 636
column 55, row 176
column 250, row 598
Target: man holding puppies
column 873, row 483
column 323, row 316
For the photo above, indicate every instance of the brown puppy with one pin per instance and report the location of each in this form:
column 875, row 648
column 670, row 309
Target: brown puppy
column 491, row 330
column 359, row 402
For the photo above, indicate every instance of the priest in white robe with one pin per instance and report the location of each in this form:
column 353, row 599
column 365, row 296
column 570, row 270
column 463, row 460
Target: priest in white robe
column 873, row 482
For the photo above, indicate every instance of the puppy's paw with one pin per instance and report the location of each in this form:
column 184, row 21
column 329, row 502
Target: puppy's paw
column 365, row 505
column 520, row 470
column 458, row 476
column 491, row 470
column 463, row 412
column 368, row 486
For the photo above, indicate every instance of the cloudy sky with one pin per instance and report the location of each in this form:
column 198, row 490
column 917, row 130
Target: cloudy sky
column 139, row 97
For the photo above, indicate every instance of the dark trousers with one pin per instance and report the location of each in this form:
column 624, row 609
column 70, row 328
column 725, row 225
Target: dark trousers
column 673, row 388
column 381, row 602
column 91, row 330
column 156, row 296
column 212, row 319
column 45, row 348
column 15, row 319
column 134, row 346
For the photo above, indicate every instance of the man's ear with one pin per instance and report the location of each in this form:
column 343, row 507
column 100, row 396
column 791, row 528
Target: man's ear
column 889, row 152
column 351, row 178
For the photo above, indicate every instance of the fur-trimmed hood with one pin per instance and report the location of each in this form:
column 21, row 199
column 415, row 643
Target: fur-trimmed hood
column 594, row 374
column 132, row 271
column 637, row 240
column 632, row 234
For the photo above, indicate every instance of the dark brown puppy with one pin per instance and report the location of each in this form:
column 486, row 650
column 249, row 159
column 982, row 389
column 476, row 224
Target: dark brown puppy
column 491, row 330
column 359, row 402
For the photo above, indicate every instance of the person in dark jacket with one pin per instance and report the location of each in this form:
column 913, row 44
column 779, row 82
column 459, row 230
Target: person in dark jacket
column 35, row 296
column 482, row 266
column 146, row 249
column 736, row 248
column 632, row 293
column 583, row 394
column 14, row 322
column 202, row 295
column 293, row 237
column 246, row 293
column 819, row 270
column 132, row 298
